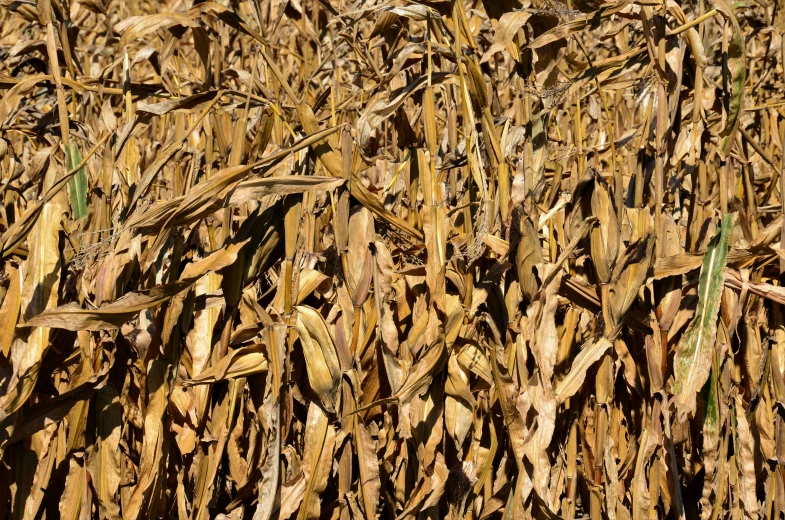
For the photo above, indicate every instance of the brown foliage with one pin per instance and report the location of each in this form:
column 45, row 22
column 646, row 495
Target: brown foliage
column 359, row 259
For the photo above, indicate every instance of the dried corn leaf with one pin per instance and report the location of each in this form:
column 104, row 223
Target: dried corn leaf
column 113, row 315
column 476, row 302
column 321, row 360
column 239, row 363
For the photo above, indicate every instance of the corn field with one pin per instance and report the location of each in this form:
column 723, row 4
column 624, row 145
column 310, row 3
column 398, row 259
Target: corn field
column 358, row 259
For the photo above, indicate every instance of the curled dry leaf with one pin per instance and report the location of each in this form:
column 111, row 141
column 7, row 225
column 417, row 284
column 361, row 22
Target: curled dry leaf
column 321, row 360
column 505, row 31
column 628, row 277
column 137, row 27
column 589, row 354
column 239, row 363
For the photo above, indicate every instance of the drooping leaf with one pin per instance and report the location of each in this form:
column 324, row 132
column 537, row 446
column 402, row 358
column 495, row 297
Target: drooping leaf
column 113, row 315
column 505, row 31
column 589, row 354
column 239, row 363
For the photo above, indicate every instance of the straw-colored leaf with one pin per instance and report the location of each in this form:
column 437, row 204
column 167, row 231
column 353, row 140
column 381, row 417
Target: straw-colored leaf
column 628, row 276
column 42, row 271
column 72, row 499
column 317, row 457
column 745, row 460
column 590, row 353
column 113, row 315
column 346, row 259
column 105, row 463
column 137, row 27
column 239, row 363
column 505, row 31
column 159, row 378
column 324, row 373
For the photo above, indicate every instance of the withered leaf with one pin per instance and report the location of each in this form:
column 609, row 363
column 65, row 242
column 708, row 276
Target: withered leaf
column 391, row 259
column 113, row 315
column 321, row 360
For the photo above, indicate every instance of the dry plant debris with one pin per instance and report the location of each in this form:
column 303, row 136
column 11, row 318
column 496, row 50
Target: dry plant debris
column 357, row 259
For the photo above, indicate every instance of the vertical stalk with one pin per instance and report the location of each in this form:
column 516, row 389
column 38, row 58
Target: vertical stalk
column 659, row 165
column 782, row 189
column 45, row 12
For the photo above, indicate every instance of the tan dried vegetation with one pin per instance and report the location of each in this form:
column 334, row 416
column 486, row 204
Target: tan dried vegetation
column 349, row 259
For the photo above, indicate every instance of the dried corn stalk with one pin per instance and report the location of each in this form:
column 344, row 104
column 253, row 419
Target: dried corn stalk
column 361, row 259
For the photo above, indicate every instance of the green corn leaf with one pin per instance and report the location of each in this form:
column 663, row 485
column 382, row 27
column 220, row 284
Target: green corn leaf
column 692, row 362
column 77, row 185
column 710, row 439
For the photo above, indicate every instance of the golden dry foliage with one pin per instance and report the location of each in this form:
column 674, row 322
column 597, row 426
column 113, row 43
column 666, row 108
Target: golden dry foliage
column 349, row 259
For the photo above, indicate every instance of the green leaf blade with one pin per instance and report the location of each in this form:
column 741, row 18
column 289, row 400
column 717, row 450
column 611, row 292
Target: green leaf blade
column 77, row 185
column 692, row 362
